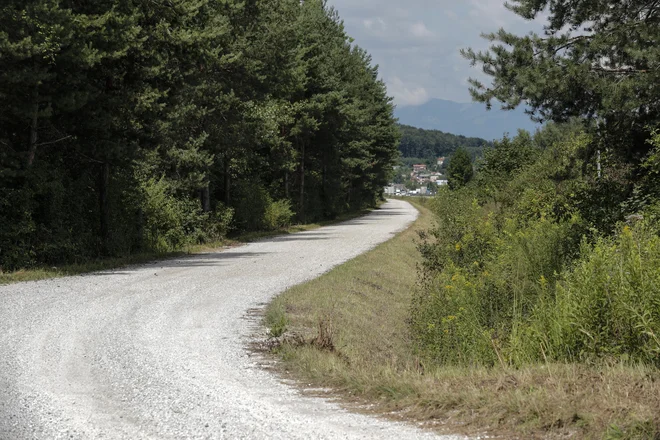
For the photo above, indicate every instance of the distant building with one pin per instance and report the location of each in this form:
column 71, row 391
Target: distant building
column 418, row 168
column 441, row 182
column 396, row 189
column 441, row 161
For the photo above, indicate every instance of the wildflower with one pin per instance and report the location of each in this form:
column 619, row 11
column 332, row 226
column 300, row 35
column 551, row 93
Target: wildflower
column 458, row 247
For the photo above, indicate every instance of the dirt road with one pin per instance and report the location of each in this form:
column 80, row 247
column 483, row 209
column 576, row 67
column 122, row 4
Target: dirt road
column 159, row 351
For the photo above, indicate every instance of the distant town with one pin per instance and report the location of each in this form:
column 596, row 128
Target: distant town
column 417, row 179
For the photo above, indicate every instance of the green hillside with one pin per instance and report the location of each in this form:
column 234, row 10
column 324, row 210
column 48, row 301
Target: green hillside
column 430, row 144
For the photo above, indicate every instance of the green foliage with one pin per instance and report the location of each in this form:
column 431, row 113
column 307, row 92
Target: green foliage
column 276, row 320
column 170, row 222
column 508, row 156
column 483, row 277
column 460, row 170
column 251, row 203
column 278, row 215
column 516, row 272
column 608, row 305
column 596, row 59
column 431, row 144
column 150, row 125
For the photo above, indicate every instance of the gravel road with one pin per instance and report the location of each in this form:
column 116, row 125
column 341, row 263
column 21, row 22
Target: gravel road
column 160, row 351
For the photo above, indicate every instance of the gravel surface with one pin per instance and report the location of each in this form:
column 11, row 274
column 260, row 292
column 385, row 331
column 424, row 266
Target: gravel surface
column 160, row 351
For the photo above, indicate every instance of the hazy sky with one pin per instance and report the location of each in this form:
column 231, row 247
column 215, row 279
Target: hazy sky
column 416, row 42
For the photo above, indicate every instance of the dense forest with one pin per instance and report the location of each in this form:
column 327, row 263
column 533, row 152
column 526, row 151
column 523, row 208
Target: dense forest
column 549, row 251
column 431, row 144
column 130, row 125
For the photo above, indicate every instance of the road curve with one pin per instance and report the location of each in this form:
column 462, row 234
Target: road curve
column 159, row 351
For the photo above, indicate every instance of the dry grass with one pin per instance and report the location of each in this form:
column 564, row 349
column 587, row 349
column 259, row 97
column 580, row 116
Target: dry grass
column 41, row 273
column 359, row 311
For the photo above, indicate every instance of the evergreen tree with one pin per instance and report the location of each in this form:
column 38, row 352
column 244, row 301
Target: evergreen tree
column 138, row 124
column 459, row 170
column 597, row 59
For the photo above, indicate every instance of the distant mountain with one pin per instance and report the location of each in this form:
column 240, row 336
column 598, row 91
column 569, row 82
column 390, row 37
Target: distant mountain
column 467, row 119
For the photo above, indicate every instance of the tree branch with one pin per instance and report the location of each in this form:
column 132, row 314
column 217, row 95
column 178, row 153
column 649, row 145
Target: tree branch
column 622, row 70
column 54, row 142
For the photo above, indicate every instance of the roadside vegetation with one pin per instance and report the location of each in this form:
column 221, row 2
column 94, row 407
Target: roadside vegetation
column 535, row 309
column 43, row 272
column 353, row 332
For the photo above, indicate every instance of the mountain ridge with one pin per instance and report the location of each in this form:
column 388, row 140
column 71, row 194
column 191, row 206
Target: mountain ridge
column 466, row 119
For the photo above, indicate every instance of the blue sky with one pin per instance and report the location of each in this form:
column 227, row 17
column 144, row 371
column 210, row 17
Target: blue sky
column 416, row 42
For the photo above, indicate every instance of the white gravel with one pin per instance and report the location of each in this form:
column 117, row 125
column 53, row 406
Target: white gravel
column 159, row 351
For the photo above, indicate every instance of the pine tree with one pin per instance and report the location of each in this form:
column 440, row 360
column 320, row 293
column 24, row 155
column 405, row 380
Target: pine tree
column 459, row 170
column 597, row 59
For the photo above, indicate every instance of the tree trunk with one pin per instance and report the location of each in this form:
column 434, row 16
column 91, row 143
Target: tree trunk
column 286, row 185
column 227, row 183
column 205, row 197
column 324, row 183
column 301, row 211
column 139, row 218
column 104, row 207
column 34, row 134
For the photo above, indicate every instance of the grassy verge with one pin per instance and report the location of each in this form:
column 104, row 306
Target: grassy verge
column 46, row 272
column 348, row 331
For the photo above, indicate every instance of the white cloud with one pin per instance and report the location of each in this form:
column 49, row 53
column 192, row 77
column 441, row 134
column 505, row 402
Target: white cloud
column 492, row 13
column 376, row 24
column 420, row 30
column 416, row 42
column 405, row 95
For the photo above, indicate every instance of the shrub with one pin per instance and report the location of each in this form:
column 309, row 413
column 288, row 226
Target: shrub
column 609, row 304
column 494, row 257
column 170, row 222
column 473, row 308
column 250, row 202
column 219, row 223
column 278, row 215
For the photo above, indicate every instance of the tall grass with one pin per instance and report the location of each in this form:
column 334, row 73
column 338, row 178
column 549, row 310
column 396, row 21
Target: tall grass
column 521, row 278
column 608, row 305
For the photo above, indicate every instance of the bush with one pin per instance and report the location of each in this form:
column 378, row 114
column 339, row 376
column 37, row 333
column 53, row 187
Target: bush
column 278, row 215
column 250, row 202
column 517, row 275
column 219, row 223
column 494, row 256
column 172, row 222
column 472, row 308
column 609, row 304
